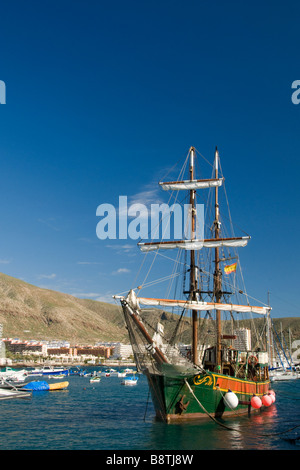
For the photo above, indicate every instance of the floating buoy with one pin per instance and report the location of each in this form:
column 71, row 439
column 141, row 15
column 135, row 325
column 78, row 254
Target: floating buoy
column 231, row 400
column 271, row 394
column 266, row 400
column 256, row 402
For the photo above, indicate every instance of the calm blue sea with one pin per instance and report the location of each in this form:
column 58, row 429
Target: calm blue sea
column 110, row 416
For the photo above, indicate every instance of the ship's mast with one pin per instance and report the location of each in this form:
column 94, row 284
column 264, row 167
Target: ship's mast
column 269, row 335
column 193, row 280
column 217, row 273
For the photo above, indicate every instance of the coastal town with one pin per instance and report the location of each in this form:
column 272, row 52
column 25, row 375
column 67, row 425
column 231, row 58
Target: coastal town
column 60, row 352
column 15, row 350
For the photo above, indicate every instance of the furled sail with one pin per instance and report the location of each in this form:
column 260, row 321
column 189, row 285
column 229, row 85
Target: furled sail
column 135, row 303
column 191, row 184
column 194, row 244
column 203, row 306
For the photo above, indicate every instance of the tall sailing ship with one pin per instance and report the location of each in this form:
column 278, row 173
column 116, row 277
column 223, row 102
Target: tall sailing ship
column 201, row 359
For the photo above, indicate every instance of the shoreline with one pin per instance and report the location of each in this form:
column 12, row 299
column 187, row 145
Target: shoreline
column 69, row 365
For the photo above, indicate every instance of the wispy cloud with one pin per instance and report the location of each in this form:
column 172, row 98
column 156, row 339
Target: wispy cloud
column 47, row 276
column 121, row 271
column 107, row 298
column 126, row 248
column 87, row 295
column 151, row 194
column 50, row 222
column 146, row 197
column 5, row 261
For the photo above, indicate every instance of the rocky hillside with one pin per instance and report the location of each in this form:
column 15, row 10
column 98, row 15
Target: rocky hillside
column 30, row 312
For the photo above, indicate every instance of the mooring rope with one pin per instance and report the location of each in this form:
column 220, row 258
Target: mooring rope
column 205, row 411
column 147, row 403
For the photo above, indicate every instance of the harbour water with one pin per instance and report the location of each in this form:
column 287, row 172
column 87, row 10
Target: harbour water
column 110, row 416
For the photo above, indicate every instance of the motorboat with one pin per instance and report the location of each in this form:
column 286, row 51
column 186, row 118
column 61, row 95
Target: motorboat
column 130, row 380
column 48, row 370
column 15, row 375
column 95, row 379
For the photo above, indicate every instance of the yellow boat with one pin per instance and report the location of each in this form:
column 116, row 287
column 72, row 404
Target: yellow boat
column 58, row 385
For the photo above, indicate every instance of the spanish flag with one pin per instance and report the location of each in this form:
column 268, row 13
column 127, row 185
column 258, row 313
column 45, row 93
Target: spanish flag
column 231, row 268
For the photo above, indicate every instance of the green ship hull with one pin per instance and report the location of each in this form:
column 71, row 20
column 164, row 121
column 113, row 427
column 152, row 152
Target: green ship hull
column 200, row 396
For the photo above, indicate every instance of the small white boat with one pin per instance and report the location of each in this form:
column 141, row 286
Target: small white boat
column 95, row 379
column 14, row 375
column 84, row 373
column 122, row 373
column 132, row 380
column 283, row 375
column 109, row 372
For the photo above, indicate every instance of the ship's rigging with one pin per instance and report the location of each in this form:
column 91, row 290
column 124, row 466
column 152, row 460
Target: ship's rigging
column 204, row 289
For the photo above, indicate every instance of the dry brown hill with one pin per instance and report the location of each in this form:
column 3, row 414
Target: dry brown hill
column 30, row 312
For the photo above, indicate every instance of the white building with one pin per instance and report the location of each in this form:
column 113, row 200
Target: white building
column 243, row 339
column 122, row 351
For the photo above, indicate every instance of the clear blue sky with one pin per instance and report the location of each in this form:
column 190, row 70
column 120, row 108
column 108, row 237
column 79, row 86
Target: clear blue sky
column 103, row 96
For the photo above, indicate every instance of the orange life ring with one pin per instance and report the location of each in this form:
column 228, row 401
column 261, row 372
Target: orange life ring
column 253, row 360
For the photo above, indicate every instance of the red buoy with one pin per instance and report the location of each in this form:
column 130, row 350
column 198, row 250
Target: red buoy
column 255, row 402
column 266, row 400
